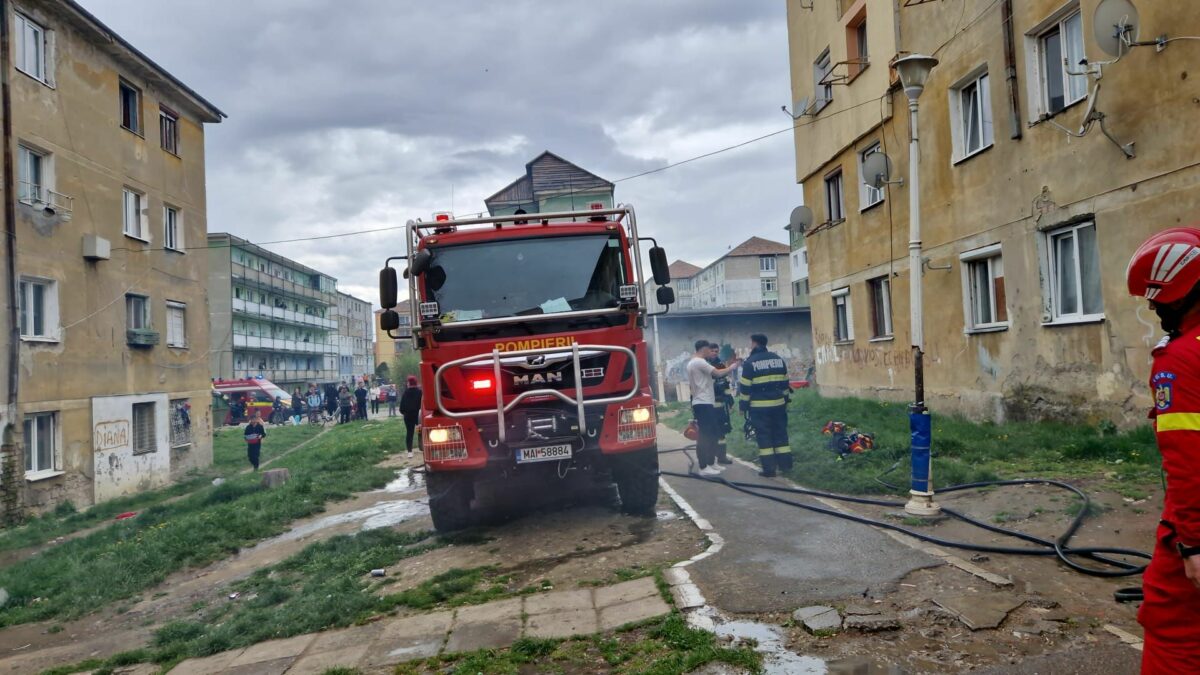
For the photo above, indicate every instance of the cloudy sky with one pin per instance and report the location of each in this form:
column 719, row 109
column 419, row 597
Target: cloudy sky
column 359, row 114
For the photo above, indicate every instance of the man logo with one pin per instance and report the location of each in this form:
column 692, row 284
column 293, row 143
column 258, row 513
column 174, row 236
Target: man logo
column 537, row 378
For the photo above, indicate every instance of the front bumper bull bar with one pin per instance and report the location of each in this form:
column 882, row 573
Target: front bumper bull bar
column 501, row 409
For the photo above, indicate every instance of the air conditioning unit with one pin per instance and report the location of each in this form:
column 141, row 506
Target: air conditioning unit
column 142, row 337
column 96, row 247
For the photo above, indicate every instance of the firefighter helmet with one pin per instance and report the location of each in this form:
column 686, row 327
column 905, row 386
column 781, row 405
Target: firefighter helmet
column 1165, row 267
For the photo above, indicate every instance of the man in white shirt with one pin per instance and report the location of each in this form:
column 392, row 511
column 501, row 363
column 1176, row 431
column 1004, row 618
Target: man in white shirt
column 701, row 375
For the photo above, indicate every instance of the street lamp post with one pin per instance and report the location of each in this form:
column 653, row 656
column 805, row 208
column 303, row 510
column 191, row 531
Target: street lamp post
column 914, row 72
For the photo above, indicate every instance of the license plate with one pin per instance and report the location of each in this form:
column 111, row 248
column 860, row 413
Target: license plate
column 543, row 454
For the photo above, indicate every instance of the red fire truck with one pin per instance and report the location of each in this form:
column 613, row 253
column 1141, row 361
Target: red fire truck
column 533, row 361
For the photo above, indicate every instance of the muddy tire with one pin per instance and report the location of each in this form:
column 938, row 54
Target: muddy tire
column 449, row 500
column 636, row 475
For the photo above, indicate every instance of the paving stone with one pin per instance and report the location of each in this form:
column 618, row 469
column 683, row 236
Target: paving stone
column 687, row 596
column 818, row 618
column 676, row 575
column 420, row 625
column 336, row 640
column 862, row 610
column 209, row 664
column 563, row 624
column 315, row 664
column 273, row 667
column 559, row 601
column 484, row 635
column 492, row 611
column 626, row 592
column 414, row 637
column 641, row 609
column 274, row 649
column 980, row 610
column 811, row 611
column 872, row 622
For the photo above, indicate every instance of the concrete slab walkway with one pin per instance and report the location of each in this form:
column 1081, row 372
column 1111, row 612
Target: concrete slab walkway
column 558, row 614
column 777, row 557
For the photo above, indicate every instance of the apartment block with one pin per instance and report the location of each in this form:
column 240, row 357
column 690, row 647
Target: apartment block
column 113, row 391
column 271, row 316
column 355, row 347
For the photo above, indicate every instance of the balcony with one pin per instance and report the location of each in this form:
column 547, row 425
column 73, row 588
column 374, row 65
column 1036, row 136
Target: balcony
column 282, row 345
column 50, row 202
column 141, row 337
column 289, row 375
column 276, row 284
column 282, row 315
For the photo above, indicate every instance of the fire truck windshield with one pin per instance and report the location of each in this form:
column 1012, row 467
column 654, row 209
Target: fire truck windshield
column 521, row 277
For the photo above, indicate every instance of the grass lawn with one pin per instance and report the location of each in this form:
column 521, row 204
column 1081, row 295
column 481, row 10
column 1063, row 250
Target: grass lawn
column 209, row 524
column 229, row 457
column 963, row 451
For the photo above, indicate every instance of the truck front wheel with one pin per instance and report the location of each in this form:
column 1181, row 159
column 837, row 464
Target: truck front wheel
column 449, row 500
column 636, row 475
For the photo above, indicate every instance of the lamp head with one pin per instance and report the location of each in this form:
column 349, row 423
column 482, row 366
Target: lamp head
column 914, row 72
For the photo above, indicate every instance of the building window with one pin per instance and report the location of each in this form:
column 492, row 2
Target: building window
column 31, row 49
column 37, row 306
column 168, row 131
column 137, row 312
column 869, row 195
column 181, row 423
column 176, row 324
column 1058, row 47
column 1074, row 273
column 766, row 263
column 856, row 45
column 843, row 318
column 131, row 107
column 983, row 280
column 172, row 229
column 144, row 438
column 770, row 303
column 133, row 216
column 971, row 116
column 823, row 93
column 833, row 197
column 31, row 175
column 41, row 444
column 881, row 307
column 770, row 285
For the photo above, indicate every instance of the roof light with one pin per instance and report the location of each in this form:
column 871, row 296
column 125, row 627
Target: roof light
column 442, row 216
column 596, row 206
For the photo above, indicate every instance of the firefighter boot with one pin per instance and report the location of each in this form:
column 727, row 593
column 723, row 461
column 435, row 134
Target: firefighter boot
column 768, row 465
column 783, row 460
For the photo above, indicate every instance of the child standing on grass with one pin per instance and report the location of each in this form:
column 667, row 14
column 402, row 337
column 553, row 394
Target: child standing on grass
column 254, row 434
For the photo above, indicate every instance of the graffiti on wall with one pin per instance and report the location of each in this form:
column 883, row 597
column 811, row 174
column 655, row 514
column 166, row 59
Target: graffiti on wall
column 889, row 356
column 111, row 435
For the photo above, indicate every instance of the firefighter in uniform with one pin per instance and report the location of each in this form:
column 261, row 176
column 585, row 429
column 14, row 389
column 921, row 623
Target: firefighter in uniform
column 1165, row 270
column 764, row 391
column 724, row 405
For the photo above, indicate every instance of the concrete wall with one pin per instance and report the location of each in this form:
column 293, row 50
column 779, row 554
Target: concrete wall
column 789, row 331
column 92, row 159
column 118, row 471
column 1009, row 194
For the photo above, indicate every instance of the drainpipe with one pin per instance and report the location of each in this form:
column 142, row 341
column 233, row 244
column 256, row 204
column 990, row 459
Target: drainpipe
column 1010, row 70
column 10, row 454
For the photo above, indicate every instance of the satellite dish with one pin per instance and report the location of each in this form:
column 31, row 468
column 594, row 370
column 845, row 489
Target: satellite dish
column 877, row 170
column 1116, row 25
column 802, row 217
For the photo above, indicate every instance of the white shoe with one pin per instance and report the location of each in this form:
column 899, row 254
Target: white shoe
column 410, row 454
column 710, row 471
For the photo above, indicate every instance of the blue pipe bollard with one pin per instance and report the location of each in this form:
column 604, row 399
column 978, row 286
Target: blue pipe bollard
column 920, row 503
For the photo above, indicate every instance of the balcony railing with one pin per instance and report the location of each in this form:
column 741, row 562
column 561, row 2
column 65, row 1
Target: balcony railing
column 41, row 197
column 282, row 314
column 278, row 375
column 281, row 285
column 282, row 345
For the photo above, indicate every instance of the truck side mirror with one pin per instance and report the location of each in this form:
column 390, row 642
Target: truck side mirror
column 387, row 288
column 389, row 320
column 420, row 263
column 666, row 296
column 659, row 266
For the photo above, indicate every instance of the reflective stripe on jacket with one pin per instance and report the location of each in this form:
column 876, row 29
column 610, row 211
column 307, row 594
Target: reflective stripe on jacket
column 764, row 381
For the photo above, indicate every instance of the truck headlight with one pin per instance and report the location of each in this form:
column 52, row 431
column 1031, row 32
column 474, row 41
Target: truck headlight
column 635, row 424
column 445, row 435
column 635, row 416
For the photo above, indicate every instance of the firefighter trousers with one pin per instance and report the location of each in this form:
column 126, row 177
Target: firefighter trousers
column 1170, row 613
column 771, row 433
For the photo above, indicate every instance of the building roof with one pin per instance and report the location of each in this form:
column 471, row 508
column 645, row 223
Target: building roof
column 214, row 114
column 758, row 246
column 548, row 174
column 218, row 239
column 681, row 269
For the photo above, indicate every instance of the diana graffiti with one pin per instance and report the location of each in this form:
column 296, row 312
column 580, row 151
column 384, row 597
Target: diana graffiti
column 111, row 435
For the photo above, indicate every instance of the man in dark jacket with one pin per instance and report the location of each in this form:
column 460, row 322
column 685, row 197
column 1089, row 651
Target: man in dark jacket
column 764, row 395
column 254, row 434
column 360, row 398
column 724, row 406
column 410, row 408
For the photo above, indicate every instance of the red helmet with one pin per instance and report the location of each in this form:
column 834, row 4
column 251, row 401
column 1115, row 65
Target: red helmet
column 1165, row 267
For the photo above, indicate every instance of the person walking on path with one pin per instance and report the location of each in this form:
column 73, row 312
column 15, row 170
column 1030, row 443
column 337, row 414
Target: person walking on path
column 1165, row 270
column 297, row 407
column 410, row 407
column 360, row 399
column 764, row 396
column 374, row 394
column 346, row 402
column 701, row 374
column 254, row 434
column 392, row 400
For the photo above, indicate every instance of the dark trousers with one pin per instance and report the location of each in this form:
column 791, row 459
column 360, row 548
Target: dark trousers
column 345, row 414
column 362, row 408
column 410, row 424
column 375, row 406
column 722, row 412
column 709, row 427
column 771, row 433
column 253, row 451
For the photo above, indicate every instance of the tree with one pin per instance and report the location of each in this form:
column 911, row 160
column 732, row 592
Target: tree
column 382, row 371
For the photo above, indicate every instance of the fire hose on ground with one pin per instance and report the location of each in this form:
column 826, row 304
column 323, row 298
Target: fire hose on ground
column 1059, row 547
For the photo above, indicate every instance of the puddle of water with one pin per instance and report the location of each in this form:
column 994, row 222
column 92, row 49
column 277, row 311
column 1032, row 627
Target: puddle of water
column 383, row 514
column 777, row 659
column 404, row 482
